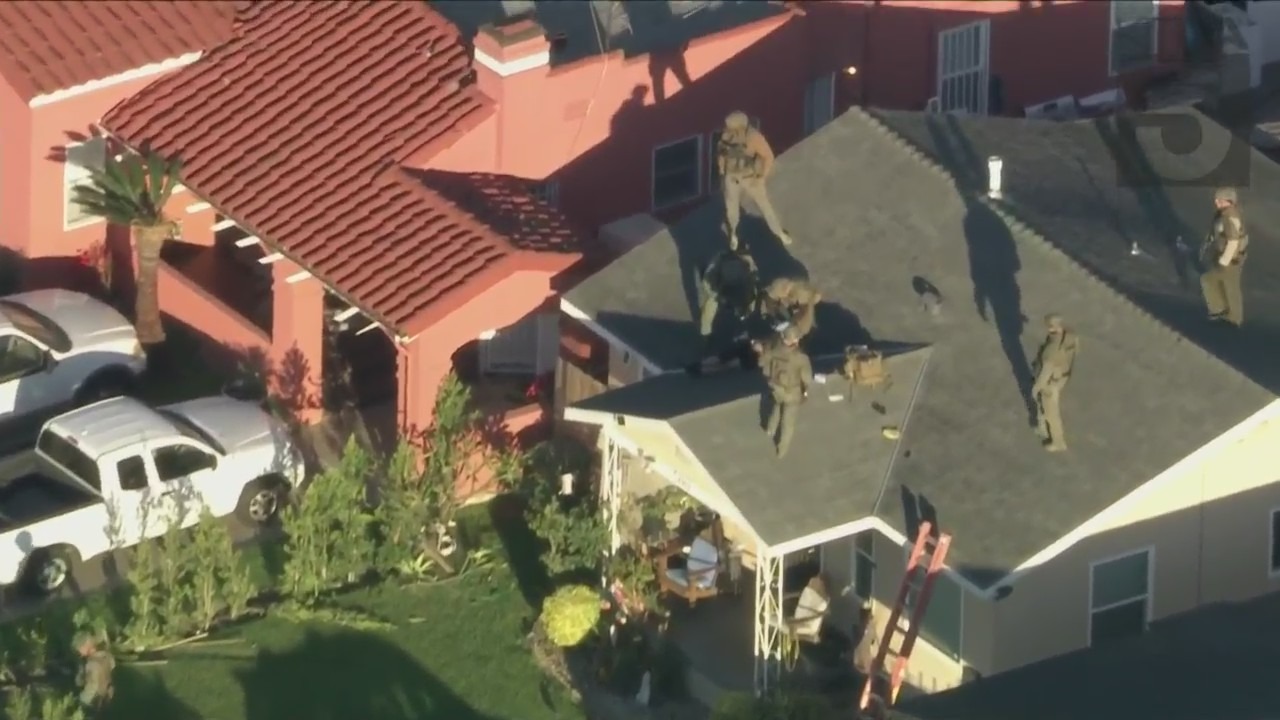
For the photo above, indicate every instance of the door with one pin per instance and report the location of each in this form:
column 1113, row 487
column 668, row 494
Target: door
column 134, row 512
column 182, row 470
column 24, row 384
column 964, row 55
column 819, row 103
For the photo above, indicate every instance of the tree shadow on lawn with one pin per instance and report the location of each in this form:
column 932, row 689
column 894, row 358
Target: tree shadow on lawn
column 140, row 694
column 346, row 675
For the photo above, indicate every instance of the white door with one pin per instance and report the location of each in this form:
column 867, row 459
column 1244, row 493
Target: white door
column 24, row 384
column 964, row 55
column 134, row 510
column 181, row 470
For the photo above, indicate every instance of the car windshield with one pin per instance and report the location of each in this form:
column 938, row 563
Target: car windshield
column 192, row 430
column 36, row 326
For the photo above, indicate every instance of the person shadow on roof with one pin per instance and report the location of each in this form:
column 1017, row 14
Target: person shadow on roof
column 993, row 256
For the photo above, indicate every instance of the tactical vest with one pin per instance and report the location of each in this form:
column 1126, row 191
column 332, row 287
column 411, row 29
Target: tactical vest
column 779, row 370
column 738, row 159
column 1220, row 235
column 864, row 366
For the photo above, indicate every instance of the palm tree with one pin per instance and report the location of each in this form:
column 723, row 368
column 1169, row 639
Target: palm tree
column 132, row 190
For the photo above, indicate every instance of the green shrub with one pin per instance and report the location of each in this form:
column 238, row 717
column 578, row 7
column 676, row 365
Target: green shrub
column 328, row 538
column 571, row 614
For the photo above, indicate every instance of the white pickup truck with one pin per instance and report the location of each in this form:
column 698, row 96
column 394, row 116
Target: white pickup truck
column 58, row 348
column 112, row 474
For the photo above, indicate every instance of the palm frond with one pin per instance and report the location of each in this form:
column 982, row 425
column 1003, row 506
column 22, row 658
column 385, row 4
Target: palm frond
column 131, row 189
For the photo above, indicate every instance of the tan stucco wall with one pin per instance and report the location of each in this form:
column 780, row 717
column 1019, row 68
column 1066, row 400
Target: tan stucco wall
column 1209, row 526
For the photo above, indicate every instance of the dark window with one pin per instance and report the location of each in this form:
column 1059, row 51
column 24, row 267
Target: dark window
column 35, row 325
column 1119, row 597
column 19, row 357
column 1275, row 541
column 944, row 617
column 70, row 458
column 1133, row 34
column 178, row 461
column 864, row 564
column 677, row 170
column 132, row 472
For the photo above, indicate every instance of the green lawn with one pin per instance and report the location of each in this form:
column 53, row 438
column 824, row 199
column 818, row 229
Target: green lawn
column 455, row 654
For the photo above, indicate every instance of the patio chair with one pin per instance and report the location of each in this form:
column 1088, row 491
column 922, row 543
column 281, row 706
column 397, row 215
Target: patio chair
column 697, row 579
column 805, row 623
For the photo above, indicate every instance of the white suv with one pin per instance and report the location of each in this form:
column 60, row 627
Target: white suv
column 59, row 347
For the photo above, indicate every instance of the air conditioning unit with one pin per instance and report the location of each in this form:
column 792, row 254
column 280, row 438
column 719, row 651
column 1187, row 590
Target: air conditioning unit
column 933, row 105
column 1063, row 108
column 1102, row 103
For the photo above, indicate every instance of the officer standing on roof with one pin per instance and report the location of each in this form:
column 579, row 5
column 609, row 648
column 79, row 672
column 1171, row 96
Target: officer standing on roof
column 745, row 160
column 1223, row 259
column 731, row 280
column 95, row 675
column 794, row 301
column 789, row 374
column 1053, row 368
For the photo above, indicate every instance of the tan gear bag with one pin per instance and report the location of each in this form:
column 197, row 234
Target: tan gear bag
column 864, row 366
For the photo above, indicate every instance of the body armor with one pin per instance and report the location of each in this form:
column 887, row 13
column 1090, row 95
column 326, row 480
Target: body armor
column 1222, row 232
column 738, row 158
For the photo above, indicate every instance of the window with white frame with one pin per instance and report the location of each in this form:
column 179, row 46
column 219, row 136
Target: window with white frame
column 1119, row 597
column 1275, row 541
column 864, row 564
column 677, row 172
column 1134, row 35
column 963, row 68
column 713, row 142
column 819, row 103
column 548, row 191
column 81, row 160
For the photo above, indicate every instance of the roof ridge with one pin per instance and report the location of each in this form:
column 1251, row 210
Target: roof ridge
column 1017, row 224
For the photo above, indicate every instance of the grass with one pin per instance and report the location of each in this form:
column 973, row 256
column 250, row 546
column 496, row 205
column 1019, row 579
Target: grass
column 456, row 652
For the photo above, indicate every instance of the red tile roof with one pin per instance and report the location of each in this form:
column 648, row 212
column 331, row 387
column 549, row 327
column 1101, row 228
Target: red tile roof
column 48, row 45
column 295, row 130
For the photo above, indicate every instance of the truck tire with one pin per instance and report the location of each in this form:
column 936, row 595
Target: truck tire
column 105, row 384
column 262, row 500
column 47, row 570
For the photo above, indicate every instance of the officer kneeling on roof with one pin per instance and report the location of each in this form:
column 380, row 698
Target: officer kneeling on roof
column 730, row 281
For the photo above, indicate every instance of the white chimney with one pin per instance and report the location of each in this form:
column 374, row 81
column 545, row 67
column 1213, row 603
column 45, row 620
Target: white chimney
column 995, row 168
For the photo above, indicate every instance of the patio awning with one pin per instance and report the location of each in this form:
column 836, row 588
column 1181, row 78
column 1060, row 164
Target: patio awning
column 710, row 428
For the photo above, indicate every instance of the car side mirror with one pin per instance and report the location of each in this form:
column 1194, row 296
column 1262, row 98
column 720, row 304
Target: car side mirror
column 50, row 362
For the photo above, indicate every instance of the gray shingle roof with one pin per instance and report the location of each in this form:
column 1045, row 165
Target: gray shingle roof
column 836, row 467
column 871, row 216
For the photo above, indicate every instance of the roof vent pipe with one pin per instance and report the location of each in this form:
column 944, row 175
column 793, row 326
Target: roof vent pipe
column 995, row 170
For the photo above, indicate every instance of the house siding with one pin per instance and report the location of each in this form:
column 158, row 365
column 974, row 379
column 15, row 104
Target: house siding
column 1210, row 532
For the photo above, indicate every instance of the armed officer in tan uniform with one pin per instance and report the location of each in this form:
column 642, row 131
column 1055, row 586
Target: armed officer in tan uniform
column 745, row 160
column 1222, row 259
column 1053, row 368
column 789, row 373
column 793, row 300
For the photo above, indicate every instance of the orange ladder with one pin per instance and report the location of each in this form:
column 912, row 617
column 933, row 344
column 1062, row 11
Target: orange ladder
column 923, row 565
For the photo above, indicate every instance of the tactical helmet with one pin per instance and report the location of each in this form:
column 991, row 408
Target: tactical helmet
column 1226, row 194
column 791, row 335
column 737, row 120
column 1053, row 320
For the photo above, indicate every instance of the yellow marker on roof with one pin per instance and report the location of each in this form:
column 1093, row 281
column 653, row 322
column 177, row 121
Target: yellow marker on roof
column 890, row 432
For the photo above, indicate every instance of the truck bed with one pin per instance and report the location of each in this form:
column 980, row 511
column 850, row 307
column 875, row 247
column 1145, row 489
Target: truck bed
column 29, row 492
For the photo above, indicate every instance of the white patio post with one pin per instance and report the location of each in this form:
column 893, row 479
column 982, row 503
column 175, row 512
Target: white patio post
column 611, row 496
column 768, row 620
